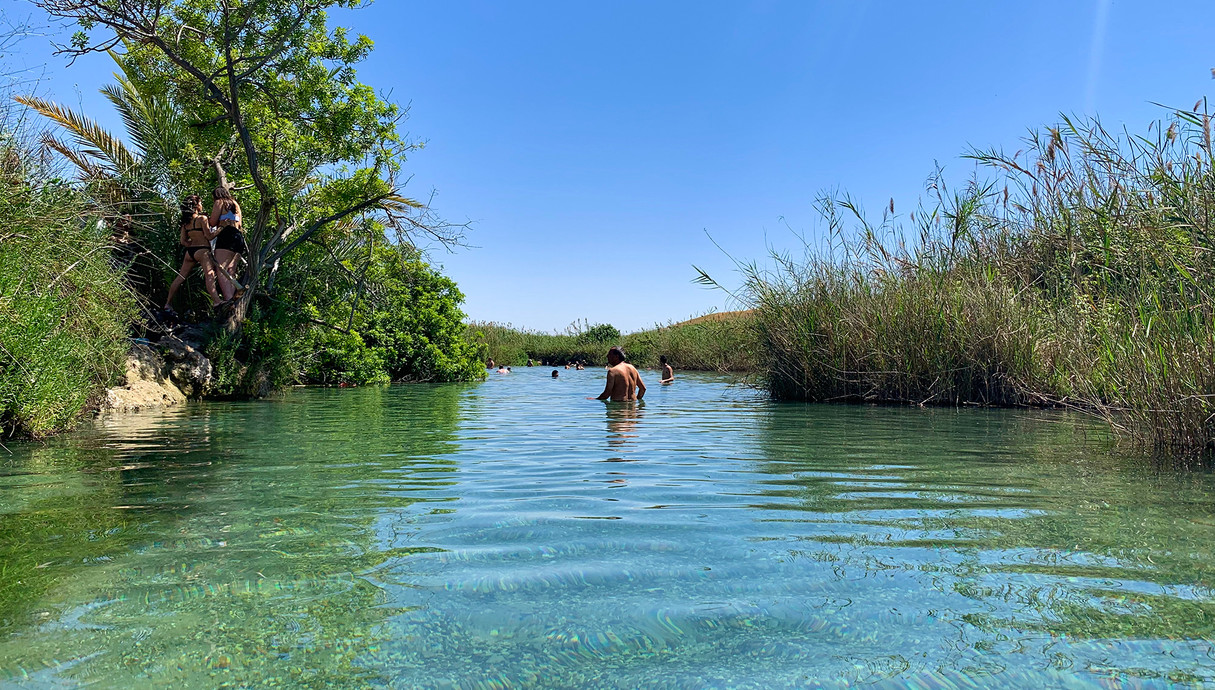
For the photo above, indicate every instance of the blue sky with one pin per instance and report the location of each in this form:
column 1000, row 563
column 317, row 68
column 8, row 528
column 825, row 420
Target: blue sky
column 594, row 146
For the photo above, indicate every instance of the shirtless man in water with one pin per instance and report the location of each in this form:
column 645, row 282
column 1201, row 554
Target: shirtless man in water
column 622, row 379
column 668, row 374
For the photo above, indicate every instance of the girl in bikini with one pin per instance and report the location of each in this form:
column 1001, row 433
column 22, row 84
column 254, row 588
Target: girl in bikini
column 230, row 243
column 196, row 237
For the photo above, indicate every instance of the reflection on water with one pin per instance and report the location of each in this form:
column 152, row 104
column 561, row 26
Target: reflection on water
column 514, row 534
column 622, row 420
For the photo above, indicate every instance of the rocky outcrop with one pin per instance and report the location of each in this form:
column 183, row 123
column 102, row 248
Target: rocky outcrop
column 187, row 367
column 161, row 375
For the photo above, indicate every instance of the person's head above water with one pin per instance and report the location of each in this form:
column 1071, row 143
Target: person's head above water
column 615, row 355
column 554, row 373
column 662, row 359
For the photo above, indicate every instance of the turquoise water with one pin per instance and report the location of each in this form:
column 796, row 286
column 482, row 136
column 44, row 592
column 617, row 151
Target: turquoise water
column 514, row 534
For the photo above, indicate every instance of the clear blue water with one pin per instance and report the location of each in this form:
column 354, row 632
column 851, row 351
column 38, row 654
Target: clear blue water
column 514, row 534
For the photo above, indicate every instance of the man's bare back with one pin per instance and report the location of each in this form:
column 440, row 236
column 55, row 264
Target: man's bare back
column 622, row 382
column 622, row 379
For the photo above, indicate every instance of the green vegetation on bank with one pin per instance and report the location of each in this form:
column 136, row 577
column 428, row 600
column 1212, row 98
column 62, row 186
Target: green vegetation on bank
column 337, row 290
column 63, row 311
column 1079, row 275
column 704, row 344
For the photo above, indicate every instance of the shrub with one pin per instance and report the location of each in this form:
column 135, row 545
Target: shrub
column 64, row 310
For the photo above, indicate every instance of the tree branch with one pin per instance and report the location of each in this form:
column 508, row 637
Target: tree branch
column 314, row 227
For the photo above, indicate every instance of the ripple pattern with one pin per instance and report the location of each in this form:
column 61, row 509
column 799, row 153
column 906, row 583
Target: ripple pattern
column 513, row 534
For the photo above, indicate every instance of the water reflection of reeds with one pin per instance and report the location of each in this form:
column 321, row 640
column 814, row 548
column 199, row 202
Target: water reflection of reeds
column 1027, row 532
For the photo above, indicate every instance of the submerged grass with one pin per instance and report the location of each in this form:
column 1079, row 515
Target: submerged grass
column 1079, row 275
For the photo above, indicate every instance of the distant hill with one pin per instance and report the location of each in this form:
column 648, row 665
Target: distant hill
column 715, row 316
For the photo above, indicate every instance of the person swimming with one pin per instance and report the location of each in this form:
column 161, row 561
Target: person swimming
column 668, row 374
column 554, row 373
column 622, row 379
column 503, row 369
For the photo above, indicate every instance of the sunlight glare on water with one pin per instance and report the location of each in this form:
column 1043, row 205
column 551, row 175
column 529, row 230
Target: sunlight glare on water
column 514, row 534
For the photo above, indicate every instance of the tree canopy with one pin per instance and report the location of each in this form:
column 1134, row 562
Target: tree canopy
column 273, row 109
column 262, row 97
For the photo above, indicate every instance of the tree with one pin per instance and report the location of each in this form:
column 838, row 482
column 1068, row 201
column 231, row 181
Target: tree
column 119, row 174
column 278, row 115
column 601, row 333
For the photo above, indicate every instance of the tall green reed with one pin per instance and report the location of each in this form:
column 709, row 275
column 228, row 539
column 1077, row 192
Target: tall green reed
column 726, row 345
column 1076, row 272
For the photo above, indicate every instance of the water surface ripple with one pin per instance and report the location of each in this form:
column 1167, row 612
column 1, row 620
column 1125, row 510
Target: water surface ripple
column 513, row 534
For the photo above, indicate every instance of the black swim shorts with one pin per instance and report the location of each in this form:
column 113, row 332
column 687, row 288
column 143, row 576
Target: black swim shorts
column 232, row 240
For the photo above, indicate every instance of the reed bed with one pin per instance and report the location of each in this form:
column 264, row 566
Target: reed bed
column 1075, row 272
column 64, row 309
column 712, row 344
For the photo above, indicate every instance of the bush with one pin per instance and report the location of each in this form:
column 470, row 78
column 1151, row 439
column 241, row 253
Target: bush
column 396, row 320
column 1079, row 276
column 64, row 310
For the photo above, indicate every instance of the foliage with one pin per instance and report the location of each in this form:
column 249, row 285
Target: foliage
column 394, row 320
column 276, row 109
column 63, row 307
column 397, row 319
column 600, row 333
column 263, row 356
column 1078, row 276
column 726, row 344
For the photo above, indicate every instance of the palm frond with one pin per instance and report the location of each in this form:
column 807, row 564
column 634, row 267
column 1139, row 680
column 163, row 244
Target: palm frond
column 155, row 127
column 396, row 202
column 87, row 133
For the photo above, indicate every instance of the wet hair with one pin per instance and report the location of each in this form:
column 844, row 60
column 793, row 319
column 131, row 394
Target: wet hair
column 189, row 207
column 221, row 192
column 618, row 351
column 555, row 373
column 662, row 359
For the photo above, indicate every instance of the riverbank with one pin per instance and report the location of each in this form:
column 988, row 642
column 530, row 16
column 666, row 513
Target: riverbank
column 329, row 287
column 721, row 343
column 64, row 313
column 1078, row 276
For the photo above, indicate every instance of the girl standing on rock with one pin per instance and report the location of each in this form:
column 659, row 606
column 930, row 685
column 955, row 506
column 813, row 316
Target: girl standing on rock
column 196, row 238
column 230, row 241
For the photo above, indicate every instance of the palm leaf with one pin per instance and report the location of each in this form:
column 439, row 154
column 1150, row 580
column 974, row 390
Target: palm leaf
column 88, row 169
column 89, row 135
column 395, row 202
column 154, row 126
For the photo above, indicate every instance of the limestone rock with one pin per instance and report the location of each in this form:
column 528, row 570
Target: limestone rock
column 143, row 364
column 162, row 375
column 142, row 395
column 187, row 367
column 145, row 385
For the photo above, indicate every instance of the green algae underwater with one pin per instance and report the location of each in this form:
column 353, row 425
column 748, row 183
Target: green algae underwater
column 513, row 534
